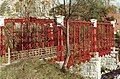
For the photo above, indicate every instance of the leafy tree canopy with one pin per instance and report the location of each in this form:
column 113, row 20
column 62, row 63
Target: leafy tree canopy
column 84, row 10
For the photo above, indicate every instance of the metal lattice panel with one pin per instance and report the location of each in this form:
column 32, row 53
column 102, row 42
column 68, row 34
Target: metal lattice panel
column 30, row 34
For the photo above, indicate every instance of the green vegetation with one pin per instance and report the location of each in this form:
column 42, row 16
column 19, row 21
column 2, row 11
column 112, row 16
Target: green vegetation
column 34, row 69
column 85, row 10
column 81, row 9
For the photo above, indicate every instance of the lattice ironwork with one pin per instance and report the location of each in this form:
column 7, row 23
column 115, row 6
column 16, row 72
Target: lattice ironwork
column 81, row 41
column 31, row 33
column 105, row 38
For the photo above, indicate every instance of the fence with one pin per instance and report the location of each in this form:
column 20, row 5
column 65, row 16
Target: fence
column 26, row 36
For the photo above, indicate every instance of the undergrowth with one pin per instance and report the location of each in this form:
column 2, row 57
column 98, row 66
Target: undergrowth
column 35, row 69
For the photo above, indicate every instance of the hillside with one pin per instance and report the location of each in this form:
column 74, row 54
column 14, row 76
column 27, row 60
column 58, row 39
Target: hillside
column 34, row 69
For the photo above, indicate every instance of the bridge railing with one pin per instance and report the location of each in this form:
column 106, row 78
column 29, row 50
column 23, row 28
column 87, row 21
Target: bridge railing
column 105, row 38
column 42, row 34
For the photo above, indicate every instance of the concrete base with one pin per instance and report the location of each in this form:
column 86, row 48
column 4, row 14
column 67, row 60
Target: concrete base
column 60, row 63
column 92, row 69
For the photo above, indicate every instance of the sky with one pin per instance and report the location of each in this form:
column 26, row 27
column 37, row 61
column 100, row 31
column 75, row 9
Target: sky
column 116, row 2
column 1, row 1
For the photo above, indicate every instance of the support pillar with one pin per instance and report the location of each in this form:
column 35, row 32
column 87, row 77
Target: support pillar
column 96, row 66
column 94, row 21
column 96, row 59
column 114, row 52
column 50, row 35
column 2, row 46
column 60, row 48
column 114, row 32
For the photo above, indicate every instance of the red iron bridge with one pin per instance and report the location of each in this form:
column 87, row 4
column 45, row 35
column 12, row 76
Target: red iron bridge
column 39, row 37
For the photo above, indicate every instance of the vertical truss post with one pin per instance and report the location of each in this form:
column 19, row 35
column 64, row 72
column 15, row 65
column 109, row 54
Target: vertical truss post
column 60, row 45
column 1, row 38
column 61, row 39
column 107, row 40
column 95, row 53
column 43, row 37
column 13, row 30
column 50, row 35
column 94, row 21
column 29, row 35
column 2, row 50
column 21, row 30
column 60, row 48
column 2, row 46
column 113, row 32
column 113, row 41
column 37, row 36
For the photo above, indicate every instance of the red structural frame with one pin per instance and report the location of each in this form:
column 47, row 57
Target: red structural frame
column 85, row 39
column 2, row 38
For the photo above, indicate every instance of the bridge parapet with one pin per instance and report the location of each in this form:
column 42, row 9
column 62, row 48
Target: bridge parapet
column 32, row 33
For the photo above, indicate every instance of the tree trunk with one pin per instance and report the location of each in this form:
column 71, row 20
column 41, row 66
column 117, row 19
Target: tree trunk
column 67, row 55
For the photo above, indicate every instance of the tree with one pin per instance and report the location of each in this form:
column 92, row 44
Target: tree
column 67, row 55
column 96, row 6
column 111, row 9
column 3, row 8
column 63, row 12
column 85, row 10
column 21, row 8
column 79, row 9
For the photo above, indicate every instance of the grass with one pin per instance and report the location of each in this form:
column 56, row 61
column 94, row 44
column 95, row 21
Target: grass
column 34, row 69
